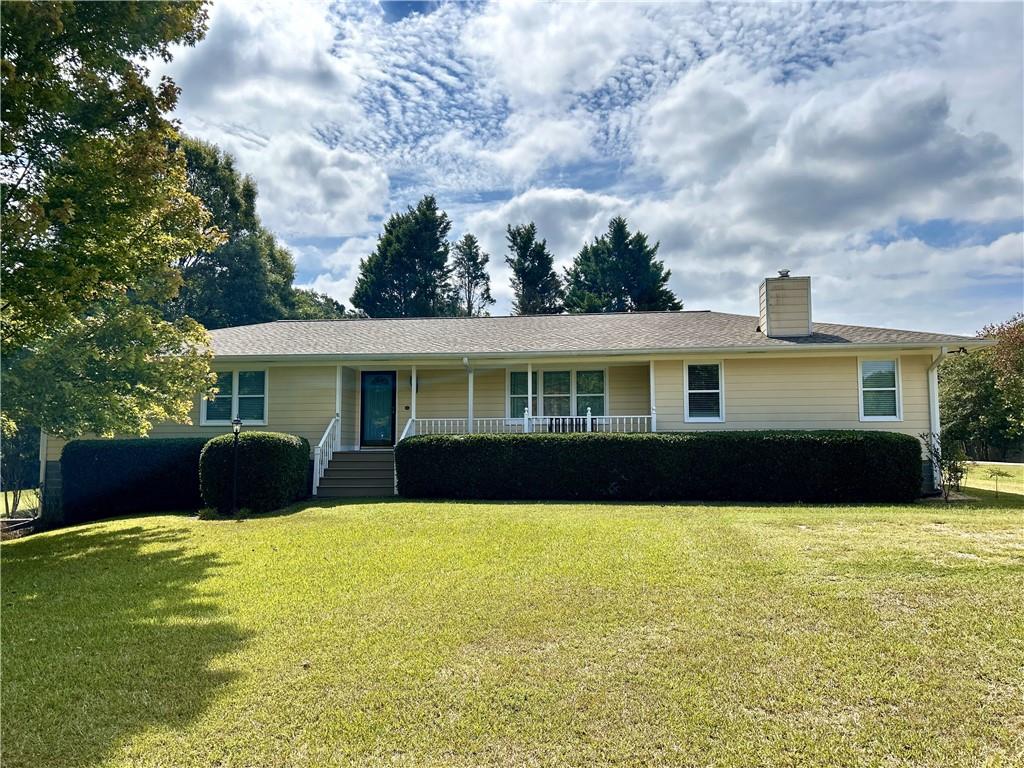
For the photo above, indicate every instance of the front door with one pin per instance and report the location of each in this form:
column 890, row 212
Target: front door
column 377, row 409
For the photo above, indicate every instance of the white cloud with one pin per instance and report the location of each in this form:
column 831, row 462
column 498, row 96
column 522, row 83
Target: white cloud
column 743, row 137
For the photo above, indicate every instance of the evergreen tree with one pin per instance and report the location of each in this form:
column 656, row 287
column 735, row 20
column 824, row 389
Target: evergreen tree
column 310, row 305
column 538, row 291
column 407, row 274
column 470, row 282
column 619, row 272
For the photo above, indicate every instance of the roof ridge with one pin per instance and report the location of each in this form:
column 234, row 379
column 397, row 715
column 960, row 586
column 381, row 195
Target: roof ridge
column 494, row 317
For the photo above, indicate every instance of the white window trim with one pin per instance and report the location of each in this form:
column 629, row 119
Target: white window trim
column 721, row 392
column 860, row 387
column 205, row 422
column 538, row 392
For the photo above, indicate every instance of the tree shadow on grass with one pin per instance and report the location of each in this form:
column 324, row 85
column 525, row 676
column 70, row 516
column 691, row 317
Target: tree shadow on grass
column 105, row 635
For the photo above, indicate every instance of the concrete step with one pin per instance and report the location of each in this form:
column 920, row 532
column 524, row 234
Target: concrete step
column 350, row 492
column 363, row 456
column 357, row 482
column 354, row 473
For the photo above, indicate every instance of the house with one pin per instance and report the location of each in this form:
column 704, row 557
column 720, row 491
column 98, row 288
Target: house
column 354, row 388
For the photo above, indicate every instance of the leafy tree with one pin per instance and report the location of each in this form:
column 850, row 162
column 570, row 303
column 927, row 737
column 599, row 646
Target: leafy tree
column 1008, row 362
column 247, row 278
column 536, row 286
column 974, row 410
column 310, row 305
column 407, row 274
column 95, row 213
column 19, row 463
column 619, row 272
column 470, row 281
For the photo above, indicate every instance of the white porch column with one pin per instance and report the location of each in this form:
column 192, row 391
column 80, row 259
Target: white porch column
column 412, row 398
column 469, row 402
column 337, row 407
column 529, row 388
column 654, row 398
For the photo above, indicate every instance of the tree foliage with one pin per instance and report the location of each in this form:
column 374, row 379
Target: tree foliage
column 95, row 213
column 619, row 272
column 248, row 278
column 407, row 275
column 470, row 282
column 536, row 286
column 981, row 394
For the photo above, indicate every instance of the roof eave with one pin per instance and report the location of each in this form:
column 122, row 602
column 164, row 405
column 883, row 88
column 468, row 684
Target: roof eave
column 652, row 352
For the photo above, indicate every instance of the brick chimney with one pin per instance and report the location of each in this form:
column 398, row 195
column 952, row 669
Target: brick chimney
column 785, row 306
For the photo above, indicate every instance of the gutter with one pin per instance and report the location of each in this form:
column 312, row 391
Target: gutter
column 644, row 352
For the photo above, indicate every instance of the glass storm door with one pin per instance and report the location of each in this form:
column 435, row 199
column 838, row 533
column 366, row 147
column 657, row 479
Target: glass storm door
column 377, row 412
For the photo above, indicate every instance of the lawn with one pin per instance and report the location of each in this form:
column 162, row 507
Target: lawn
column 28, row 505
column 415, row 634
column 978, row 477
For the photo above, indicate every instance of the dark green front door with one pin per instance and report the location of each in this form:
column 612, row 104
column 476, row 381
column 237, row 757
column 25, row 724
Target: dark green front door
column 377, row 412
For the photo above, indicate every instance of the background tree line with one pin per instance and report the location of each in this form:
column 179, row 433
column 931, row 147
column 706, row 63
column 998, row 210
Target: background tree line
column 414, row 271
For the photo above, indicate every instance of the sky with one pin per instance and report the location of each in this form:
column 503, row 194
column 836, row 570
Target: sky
column 877, row 148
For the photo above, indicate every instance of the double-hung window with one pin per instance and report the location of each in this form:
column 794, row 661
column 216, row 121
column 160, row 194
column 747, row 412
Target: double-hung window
column 590, row 393
column 557, row 393
column 241, row 394
column 703, row 396
column 880, row 390
column 517, row 394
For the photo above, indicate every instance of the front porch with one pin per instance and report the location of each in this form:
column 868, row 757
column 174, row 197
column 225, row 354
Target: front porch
column 379, row 406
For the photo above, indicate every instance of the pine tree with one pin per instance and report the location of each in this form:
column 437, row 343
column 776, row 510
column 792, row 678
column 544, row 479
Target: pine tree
column 407, row 275
column 470, row 282
column 538, row 291
column 619, row 272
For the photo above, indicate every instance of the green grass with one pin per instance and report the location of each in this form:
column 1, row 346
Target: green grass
column 27, row 506
column 978, row 478
column 416, row 634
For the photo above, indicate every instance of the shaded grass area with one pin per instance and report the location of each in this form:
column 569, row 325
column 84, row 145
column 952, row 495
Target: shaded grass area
column 978, row 477
column 497, row 634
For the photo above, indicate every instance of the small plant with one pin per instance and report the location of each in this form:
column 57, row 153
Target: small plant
column 994, row 473
column 949, row 457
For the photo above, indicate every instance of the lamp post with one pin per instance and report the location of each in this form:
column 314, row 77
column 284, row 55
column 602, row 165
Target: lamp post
column 236, row 427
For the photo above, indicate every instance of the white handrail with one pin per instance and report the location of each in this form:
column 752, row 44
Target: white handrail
column 409, row 431
column 502, row 425
column 325, row 449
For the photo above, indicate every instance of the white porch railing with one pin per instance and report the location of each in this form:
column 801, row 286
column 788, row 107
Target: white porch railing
column 329, row 443
column 527, row 423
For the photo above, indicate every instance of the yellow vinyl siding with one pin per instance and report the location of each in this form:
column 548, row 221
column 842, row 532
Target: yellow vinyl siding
column 793, row 393
column 300, row 401
column 349, row 406
column 489, row 393
column 629, row 390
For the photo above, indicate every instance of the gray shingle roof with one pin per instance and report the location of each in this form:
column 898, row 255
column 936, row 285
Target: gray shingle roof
column 615, row 333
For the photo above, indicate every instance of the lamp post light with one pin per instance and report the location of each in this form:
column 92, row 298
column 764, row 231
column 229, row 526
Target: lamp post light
column 236, row 427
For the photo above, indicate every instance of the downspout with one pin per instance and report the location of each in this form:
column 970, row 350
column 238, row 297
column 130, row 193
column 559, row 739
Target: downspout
column 934, row 420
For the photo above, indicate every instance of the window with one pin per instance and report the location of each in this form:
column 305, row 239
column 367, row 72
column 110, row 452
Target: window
column 561, row 393
column 590, row 393
column 879, row 390
column 517, row 394
column 557, row 397
column 703, row 382
column 239, row 393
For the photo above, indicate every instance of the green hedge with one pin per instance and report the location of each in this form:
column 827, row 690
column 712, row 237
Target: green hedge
column 812, row 466
column 273, row 471
column 102, row 478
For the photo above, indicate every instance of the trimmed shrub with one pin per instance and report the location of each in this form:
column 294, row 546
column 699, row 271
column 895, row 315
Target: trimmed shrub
column 103, row 478
column 811, row 466
column 273, row 471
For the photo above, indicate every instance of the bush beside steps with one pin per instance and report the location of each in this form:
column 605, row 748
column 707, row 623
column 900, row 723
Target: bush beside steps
column 273, row 471
column 784, row 466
